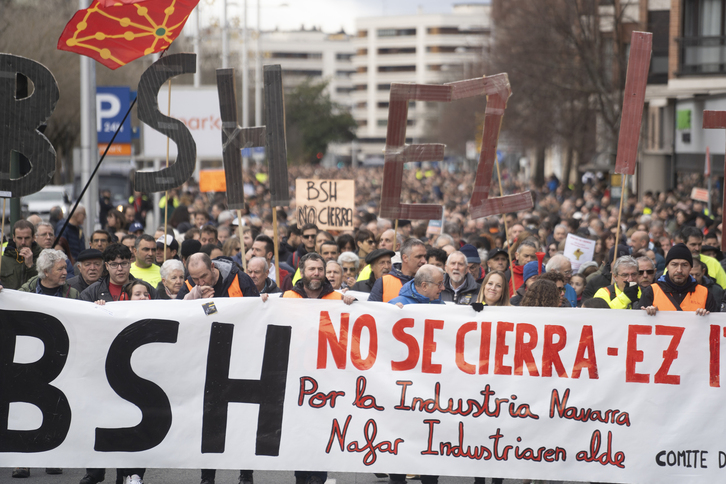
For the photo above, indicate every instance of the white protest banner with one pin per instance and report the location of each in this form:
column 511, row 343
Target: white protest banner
column 291, row 384
column 579, row 250
column 328, row 204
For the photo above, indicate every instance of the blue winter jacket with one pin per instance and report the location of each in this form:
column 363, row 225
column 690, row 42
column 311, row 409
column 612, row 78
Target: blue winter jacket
column 409, row 295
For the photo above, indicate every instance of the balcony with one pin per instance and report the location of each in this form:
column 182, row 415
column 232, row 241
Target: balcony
column 702, row 56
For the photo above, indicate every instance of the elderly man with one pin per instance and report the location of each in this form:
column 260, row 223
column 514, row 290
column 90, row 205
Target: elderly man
column 498, row 260
column 459, row 285
column 44, row 235
column 90, row 266
column 258, row 269
column 625, row 291
column 379, row 261
column 424, row 288
column 110, row 287
column 639, row 240
column 51, row 278
column 561, row 265
column 676, row 290
column 646, row 271
column 218, row 278
column 386, row 241
column 413, row 256
column 20, row 253
column 144, row 268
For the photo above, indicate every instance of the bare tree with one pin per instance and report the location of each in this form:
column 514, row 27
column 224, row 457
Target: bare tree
column 566, row 61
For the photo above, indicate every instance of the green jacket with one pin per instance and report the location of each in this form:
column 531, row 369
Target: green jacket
column 63, row 291
column 14, row 273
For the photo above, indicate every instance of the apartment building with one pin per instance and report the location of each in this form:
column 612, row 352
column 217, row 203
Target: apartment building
column 421, row 48
column 688, row 76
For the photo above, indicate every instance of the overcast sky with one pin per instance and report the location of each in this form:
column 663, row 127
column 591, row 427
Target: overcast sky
column 331, row 15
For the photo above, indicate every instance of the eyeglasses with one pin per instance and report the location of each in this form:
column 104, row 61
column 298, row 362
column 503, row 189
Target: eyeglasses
column 370, row 242
column 440, row 284
column 348, row 269
column 309, row 236
column 115, row 265
column 650, row 272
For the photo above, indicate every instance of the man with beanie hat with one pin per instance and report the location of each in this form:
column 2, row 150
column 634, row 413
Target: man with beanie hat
column 473, row 262
column 529, row 275
column 677, row 290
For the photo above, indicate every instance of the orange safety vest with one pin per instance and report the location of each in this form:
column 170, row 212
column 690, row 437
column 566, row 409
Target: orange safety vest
column 233, row 291
column 334, row 296
column 391, row 287
column 693, row 300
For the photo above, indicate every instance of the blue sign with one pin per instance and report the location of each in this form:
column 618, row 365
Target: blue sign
column 256, row 153
column 112, row 103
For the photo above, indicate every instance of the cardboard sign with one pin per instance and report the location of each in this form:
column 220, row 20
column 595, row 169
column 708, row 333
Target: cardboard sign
column 212, row 181
column 328, row 204
column 579, row 250
column 699, row 194
column 512, row 392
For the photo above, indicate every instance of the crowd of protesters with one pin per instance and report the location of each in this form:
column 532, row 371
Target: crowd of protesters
column 667, row 256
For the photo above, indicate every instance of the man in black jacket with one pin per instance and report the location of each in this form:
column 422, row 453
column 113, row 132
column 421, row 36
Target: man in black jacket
column 90, row 266
column 459, row 285
column 109, row 288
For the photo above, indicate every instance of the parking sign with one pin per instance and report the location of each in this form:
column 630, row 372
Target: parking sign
column 112, row 103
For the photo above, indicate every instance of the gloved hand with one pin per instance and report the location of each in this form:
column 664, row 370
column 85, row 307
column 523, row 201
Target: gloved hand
column 632, row 292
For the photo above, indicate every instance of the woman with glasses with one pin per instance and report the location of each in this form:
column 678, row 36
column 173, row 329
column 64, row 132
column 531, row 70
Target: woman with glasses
column 350, row 263
column 231, row 247
column 366, row 242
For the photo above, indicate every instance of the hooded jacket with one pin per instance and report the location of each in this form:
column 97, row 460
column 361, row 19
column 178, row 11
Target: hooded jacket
column 229, row 274
column 467, row 291
column 409, row 295
column 377, row 290
column 14, row 272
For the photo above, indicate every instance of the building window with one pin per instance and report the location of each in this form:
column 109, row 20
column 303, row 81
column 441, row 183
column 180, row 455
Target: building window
column 441, row 48
column 362, row 33
column 343, row 57
column 362, row 123
column 296, row 55
column 384, row 87
column 396, row 68
column 382, row 123
column 361, row 87
column 395, row 32
column 383, row 105
column 361, row 52
column 362, row 69
column 302, row 72
column 442, row 30
column 402, row 50
column 361, row 105
column 703, row 49
column 433, row 67
column 341, row 73
column 343, row 90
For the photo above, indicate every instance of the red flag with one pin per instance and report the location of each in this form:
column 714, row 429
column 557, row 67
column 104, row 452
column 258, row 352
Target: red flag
column 117, row 32
column 707, row 168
